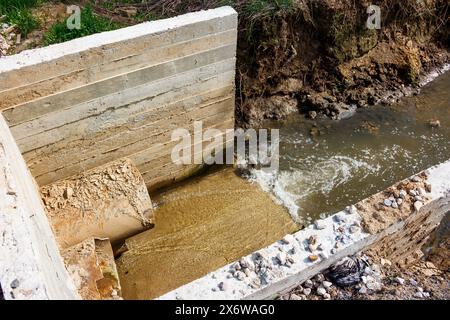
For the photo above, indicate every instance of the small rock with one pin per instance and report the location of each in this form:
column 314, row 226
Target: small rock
column 281, row 257
column 239, row 275
column 340, row 218
column 327, row 296
column 363, row 290
column 402, row 194
column 223, row 286
column 413, row 282
column 327, row 284
column 418, row 205
column 394, row 205
column 385, row 262
column 399, row 201
column 247, row 263
column 412, row 193
column 426, row 294
column 434, row 123
column 236, row 266
column 420, row 289
column 312, row 115
column 294, row 297
column 312, row 239
column 289, row 238
column 320, row 224
column 418, row 295
column 308, row 284
column 416, row 179
column 400, row 281
column 313, row 257
column 319, row 277
column 321, row 291
column 387, row 202
column 422, row 192
column 307, row 291
column 354, row 229
column 312, row 247
column 351, row 209
column 15, row 284
column 418, row 198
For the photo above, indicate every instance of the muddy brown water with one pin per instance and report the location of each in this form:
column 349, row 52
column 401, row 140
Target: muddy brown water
column 200, row 226
column 326, row 165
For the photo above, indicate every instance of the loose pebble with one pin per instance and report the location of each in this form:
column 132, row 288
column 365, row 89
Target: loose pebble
column 289, row 238
column 418, row 205
column 308, row 284
column 402, row 194
column 294, row 297
column 321, row 291
column 223, row 286
column 320, row 224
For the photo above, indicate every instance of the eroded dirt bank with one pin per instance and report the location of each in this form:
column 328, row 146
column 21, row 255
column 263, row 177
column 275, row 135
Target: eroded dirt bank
column 317, row 57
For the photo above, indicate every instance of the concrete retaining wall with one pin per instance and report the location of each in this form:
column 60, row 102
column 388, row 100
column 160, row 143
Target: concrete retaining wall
column 30, row 264
column 80, row 104
column 392, row 232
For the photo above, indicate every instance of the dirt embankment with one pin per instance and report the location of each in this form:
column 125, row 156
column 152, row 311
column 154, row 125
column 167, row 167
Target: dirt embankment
column 319, row 57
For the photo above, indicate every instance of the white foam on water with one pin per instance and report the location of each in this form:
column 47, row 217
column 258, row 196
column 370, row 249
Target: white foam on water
column 434, row 74
column 316, row 175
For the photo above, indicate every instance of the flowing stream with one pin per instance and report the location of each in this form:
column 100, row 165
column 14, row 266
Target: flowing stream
column 326, row 165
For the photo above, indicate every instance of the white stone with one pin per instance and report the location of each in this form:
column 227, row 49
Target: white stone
column 320, row 224
column 403, row 194
column 281, row 257
column 295, row 297
column 308, row 284
column 400, row 281
column 289, row 238
column 327, row 284
column 321, row 291
column 418, row 205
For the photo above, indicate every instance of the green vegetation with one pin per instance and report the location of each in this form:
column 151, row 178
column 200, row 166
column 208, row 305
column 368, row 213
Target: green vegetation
column 266, row 7
column 90, row 24
column 18, row 13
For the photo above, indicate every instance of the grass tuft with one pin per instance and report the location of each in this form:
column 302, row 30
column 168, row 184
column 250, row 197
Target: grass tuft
column 90, row 24
column 18, row 13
